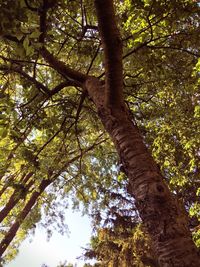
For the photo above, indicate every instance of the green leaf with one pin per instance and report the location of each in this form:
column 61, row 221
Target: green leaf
column 19, row 35
column 26, row 46
column 3, row 132
column 197, row 112
column 3, row 116
column 35, row 34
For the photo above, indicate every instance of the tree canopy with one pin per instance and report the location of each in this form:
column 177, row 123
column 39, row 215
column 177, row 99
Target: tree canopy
column 53, row 146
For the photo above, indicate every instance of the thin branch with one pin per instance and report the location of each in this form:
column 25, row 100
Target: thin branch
column 145, row 44
column 93, row 59
column 18, row 70
column 30, row 101
column 136, row 49
column 82, row 99
column 76, row 21
column 18, row 61
column 174, row 48
column 53, row 136
column 147, row 27
column 35, row 67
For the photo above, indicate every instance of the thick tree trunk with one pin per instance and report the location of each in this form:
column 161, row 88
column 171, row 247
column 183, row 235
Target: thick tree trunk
column 163, row 216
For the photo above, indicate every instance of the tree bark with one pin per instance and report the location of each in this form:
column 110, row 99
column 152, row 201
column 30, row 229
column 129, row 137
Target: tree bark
column 17, row 195
column 163, row 215
column 112, row 45
column 23, row 214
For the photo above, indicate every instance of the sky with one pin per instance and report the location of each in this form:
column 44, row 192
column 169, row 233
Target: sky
column 59, row 248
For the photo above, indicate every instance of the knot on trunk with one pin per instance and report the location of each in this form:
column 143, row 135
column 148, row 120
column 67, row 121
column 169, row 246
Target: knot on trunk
column 96, row 90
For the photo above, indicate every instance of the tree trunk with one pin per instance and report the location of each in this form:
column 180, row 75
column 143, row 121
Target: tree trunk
column 17, row 195
column 14, row 228
column 9, row 236
column 162, row 214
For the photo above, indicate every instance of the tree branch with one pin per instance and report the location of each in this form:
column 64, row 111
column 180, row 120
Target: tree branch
column 38, row 85
column 190, row 52
column 41, row 87
column 63, row 69
column 61, row 85
column 112, row 45
column 93, row 59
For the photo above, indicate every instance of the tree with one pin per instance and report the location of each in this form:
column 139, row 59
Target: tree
column 100, row 78
column 120, row 240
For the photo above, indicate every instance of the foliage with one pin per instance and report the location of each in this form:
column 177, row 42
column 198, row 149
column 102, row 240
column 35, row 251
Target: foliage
column 50, row 130
column 120, row 239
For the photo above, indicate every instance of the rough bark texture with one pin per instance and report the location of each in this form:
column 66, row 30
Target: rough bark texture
column 162, row 214
column 112, row 45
